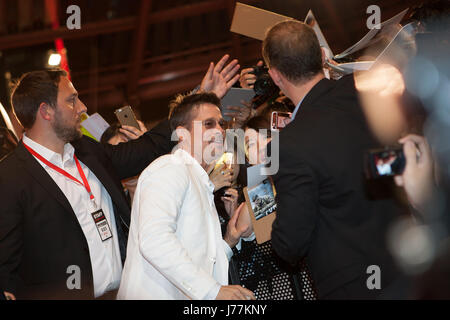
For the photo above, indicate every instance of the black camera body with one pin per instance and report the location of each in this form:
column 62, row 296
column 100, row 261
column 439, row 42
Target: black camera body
column 264, row 85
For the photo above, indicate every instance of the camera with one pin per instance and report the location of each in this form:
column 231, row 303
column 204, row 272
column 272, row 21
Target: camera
column 264, row 85
column 385, row 162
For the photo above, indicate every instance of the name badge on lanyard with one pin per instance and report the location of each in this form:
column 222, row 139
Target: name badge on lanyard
column 99, row 217
column 102, row 225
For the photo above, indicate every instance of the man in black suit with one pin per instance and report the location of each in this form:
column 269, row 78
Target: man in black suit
column 43, row 234
column 64, row 217
column 324, row 210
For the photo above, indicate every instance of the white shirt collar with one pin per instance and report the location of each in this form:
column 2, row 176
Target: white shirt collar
column 189, row 160
column 50, row 155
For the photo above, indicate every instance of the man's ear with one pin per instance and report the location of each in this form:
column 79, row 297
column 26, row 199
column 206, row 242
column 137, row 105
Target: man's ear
column 183, row 134
column 276, row 76
column 46, row 111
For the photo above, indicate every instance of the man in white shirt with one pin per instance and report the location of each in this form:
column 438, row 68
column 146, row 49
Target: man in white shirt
column 175, row 247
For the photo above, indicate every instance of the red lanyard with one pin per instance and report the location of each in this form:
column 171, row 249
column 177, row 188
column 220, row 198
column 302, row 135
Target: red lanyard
column 63, row 172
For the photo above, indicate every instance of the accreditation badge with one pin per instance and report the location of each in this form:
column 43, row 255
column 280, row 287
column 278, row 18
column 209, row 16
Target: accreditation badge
column 102, row 225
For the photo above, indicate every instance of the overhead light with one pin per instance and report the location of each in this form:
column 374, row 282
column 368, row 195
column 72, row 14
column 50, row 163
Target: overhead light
column 54, row 59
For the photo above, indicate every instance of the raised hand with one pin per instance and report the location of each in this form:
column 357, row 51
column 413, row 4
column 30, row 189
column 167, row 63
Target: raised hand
column 133, row 133
column 220, row 79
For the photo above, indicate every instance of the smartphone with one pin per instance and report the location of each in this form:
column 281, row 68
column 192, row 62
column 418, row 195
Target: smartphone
column 385, row 162
column 279, row 120
column 126, row 117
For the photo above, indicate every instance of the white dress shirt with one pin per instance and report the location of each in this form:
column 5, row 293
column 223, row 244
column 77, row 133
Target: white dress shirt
column 175, row 246
column 105, row 255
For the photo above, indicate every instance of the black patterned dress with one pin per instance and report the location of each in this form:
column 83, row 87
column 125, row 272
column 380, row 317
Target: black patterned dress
column 258, row 268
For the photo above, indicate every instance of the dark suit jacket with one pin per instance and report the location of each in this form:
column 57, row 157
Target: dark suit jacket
column 325, row 211
column 40, row 236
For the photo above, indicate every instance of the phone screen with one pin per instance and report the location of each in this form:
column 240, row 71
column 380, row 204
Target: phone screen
column 280, row 120
column 388, row 162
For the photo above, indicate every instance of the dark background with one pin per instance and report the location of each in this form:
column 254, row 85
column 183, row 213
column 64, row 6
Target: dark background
column 142, row 52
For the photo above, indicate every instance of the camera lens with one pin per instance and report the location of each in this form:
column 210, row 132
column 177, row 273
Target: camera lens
column 264, row 85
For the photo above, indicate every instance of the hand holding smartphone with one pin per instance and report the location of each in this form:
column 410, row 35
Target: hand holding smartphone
column 385, row 162
column 279, row 120
column 126, row 117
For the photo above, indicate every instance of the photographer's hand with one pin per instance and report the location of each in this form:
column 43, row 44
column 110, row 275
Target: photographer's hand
column 247, row 79
column 417, row 178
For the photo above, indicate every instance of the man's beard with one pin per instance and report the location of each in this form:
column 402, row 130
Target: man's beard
column 64, row 132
